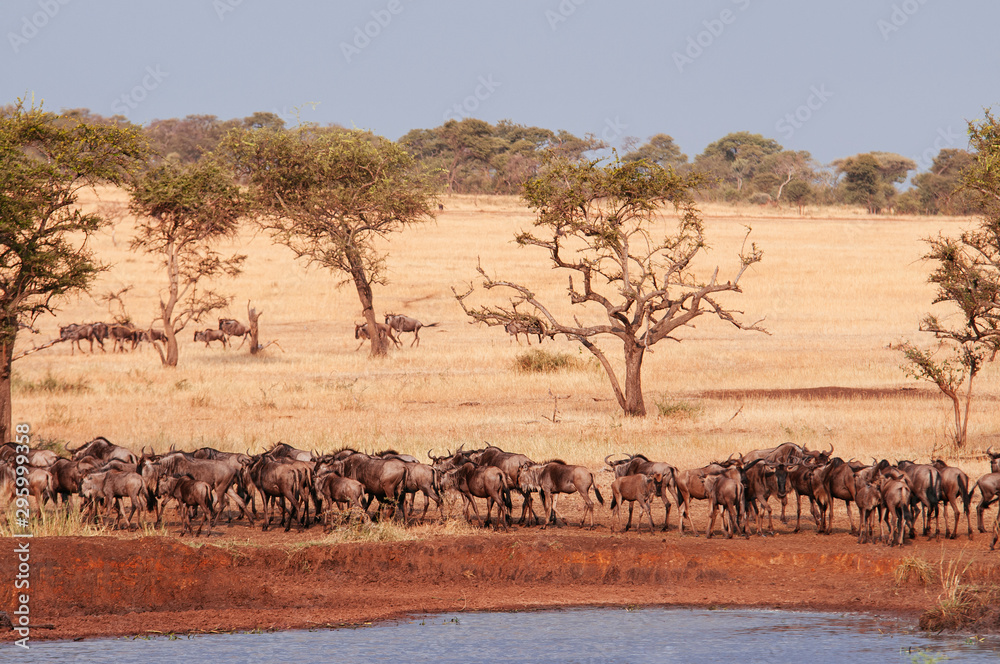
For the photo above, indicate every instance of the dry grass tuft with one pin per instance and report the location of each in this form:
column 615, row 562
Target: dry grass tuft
column 537, row 360
column 960, row 605
column 917, row 569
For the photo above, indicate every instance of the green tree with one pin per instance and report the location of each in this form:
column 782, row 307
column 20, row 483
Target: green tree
column 869, row 179
column 45, row 161
column 606, row 229
column 184, row 210
column 331, row 197
column 660, row 150
column 967, row 277
column 939, row 190
column 742, row 151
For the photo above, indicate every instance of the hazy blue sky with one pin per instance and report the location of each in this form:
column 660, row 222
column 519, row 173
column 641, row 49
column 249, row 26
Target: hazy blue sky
column 835, row 78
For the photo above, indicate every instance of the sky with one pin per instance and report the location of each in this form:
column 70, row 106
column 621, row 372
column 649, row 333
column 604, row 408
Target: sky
column 834, row 78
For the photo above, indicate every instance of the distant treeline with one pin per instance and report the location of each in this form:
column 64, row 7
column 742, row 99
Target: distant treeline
column 470, row 156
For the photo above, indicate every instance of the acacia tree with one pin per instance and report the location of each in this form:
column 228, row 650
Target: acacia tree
column 607, row 230
column 330, row 196
column 183, row 212
column 967, row 276
column 45, row 161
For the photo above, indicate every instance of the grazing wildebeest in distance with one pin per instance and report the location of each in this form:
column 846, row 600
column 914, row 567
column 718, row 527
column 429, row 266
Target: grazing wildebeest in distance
column 637, row 488
column 122, row 333
column 361, row 332
column 407, row 324
column 210, row 335
column 233, row 328
column 527, row 328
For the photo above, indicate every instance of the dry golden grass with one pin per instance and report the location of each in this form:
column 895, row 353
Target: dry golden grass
column 835, row 289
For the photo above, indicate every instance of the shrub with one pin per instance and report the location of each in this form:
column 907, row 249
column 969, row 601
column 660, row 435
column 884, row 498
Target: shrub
column 537, row 360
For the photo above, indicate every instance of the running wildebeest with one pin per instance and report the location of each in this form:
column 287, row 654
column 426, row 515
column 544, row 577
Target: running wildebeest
column 407, row 324
column 211, row 335
column 361, row 332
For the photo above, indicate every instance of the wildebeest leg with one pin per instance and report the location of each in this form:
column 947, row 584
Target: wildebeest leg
column 784, row 503
column 631, row 505
column 648, row 506
column 798, row 512
column 711, row 520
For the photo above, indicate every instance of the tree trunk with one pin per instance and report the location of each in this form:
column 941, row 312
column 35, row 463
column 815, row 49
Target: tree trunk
column 634, row 404
column 379, row 342
column 172, row 355
column 253, row 316
column 964, row 431
column 6, row 405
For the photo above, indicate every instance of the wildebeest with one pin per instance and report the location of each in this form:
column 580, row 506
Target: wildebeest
column 122, row 333
column 838, row 484
column 994, row 459
column 361, row 332
column 425, row 479
column 726, row 491
column 509, row 463
column 333, row 488
column 211, row 335
column 104, row 450
column 67, row 475
column 189, row 494
column 112, row 486
column 383, row 479
column 925, row 483
column 637, row 488
column 407, row 324
column 554, row 477
column 897, row 496
column 691, row 485
column 989, row 492
column 954, row 487
column 74, row 333
column 221, row 474
column 527, row 328
column 153, row 335
column 869, row 502
column 277, row 481
column 36, row 457
column 638, row 464
column 761, row 476
column 233, row 328
column 472, row 481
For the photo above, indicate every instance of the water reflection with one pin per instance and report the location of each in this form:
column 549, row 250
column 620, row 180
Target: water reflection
column 580, row 636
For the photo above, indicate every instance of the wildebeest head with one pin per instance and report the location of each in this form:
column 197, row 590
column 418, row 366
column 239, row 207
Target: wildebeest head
column 994, row 459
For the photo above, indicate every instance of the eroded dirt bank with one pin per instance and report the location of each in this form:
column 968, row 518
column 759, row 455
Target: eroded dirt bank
column 106, row 586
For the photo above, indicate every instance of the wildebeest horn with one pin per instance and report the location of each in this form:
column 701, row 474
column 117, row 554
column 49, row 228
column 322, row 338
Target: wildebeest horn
column 831, row 449
column 70, row 449
column 989, row 452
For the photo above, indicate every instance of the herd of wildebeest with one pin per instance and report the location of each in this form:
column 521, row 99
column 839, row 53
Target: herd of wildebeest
column 308, row 487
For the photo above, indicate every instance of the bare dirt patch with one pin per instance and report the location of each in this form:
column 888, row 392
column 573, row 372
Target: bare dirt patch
column 245, row 579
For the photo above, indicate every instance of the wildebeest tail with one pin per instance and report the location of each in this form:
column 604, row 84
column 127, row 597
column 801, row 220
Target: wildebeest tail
column 597, row 492
column 963, row 487
column 210, row 503
column 614, row 500
column 150, row 497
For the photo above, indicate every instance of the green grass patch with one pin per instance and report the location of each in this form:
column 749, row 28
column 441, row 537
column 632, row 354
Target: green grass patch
column 682, row 410
column 49, row 385
column 537, row 360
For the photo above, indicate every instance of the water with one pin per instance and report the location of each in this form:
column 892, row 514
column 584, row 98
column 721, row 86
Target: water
column 581, row 636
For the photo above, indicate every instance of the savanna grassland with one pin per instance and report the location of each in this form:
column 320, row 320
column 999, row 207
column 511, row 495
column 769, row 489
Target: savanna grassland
column 836, row 288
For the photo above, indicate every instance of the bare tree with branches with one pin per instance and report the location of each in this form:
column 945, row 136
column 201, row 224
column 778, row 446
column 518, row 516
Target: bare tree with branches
column 607, row 228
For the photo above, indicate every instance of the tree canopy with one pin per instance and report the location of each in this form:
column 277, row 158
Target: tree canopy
column 45, row 161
